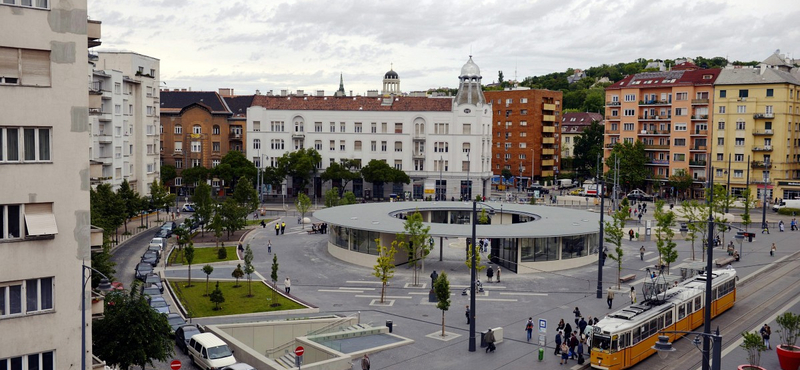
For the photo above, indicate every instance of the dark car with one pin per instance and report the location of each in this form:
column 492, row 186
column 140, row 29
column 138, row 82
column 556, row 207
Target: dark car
column 182, row 336
column 150, row 257
column 142, row 269
column 163, row 233
column 153, row 279
column 159, row 304
column 175, row 321
column 151, row 291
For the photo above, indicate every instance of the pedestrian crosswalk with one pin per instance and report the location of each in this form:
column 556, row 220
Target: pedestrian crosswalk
column 367, row 289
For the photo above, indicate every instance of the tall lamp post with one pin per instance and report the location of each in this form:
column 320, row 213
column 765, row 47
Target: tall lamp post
column 599, row 185
column 105, row 285
column 473, row 274
column 764, row 195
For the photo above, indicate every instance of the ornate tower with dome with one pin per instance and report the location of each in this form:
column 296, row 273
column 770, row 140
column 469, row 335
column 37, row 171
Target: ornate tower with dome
column 469, row 87
column 391, row 83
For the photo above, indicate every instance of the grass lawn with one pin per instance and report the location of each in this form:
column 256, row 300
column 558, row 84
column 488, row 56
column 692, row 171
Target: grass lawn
column 236, row 299
column 203, row 255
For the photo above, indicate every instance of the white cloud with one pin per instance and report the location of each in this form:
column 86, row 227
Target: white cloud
column 305, row 44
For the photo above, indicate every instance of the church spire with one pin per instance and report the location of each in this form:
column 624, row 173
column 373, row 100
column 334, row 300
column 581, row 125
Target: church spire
column 340, row 92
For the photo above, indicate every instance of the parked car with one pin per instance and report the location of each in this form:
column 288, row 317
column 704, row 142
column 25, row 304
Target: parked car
column 150, row 257
column 142, row 269
column 159, row 304
column 188, row 207
column 160, row 241
column 153, row 279
column 161, row 233
column 207, row 351
column 239, row 366
column 155, row 248
column 169, row 225
column 151, row 290
column 638, row 194
column 182, row 336
column 175, row 321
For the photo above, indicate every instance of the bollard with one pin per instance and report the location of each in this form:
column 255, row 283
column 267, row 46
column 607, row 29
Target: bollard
column 541, row 354
column 389, row 325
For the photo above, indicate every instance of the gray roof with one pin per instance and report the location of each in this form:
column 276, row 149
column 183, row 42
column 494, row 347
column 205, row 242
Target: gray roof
column 738, row 76
column 550, row 221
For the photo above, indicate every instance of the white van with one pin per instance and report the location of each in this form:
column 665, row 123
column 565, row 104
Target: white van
column 787, row 203
column 161, row 241
column 207, row 351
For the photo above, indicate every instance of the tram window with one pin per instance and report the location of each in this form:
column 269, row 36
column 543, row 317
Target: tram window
column 625, row 340
column 614, row 344
column 653, row 327
column 668, row 319
column 636, row 336
column 697, row 303
column 661, row 322
column 681, row 311
column 689, row 307
column 714, row 294
column 601, row 342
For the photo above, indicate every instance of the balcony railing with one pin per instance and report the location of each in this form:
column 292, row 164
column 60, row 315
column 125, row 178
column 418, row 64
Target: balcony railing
column 700, row 116
column 654, row 132
column 612, row 131
column 760, row 164
column 699, row 101
column 764, row 115
column 610, row 145
column 700, row 132
column 700, row 147
column 655, row 102
column 656, row 146
column 697, row 163
column 613, row 103
column 762, row 132
column 766, row 148
column 658, row 161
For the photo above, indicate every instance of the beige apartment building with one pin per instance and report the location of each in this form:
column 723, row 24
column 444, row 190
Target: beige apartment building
column 44, row 176
column 668, row 112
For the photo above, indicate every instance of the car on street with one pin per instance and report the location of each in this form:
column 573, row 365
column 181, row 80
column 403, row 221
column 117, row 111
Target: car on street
column 175, row 321
column 182, row 336
column 639, row 194
column 159, row 304
column 155, row 248
column 161, row 241
column 153, row 279
column 150, row 257
column 238, row 366
column 188, row 207
column 162, row 233
column 151, row 290
column 142, row 269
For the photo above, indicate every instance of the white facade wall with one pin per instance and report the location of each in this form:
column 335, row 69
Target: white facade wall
column 140, row 117
column 61, row 105
column 418, row 142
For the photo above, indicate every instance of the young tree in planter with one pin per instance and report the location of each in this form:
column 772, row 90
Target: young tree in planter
column 204, row 204
column 217, row 297
column 614, row 234
column 248, row 268
column 384, row 269
column 274, row 277
column 754, row 345
column 237, row 274
column 442, row 289
column 474, row 249
column 692, row 210
column 749, row 202
column 331, row 197
column 303, row 203
column 207, row 269
column 130, row 200
column 483, row 218
column 188, row 255
column 789, row 324
column 665, row 220
column 416, row 237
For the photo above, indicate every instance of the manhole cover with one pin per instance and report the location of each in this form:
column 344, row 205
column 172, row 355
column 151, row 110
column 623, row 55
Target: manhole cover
column 424, row 315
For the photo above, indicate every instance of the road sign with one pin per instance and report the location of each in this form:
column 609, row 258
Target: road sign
column 175, row 365
column 542, row 326
column 299, row 351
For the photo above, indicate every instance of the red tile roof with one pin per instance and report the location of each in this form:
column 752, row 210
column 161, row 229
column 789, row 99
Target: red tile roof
column 667, row 79
column 581, row 118
column 359, row 103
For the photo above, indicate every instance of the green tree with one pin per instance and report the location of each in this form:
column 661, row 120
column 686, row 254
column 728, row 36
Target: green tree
column 474, row 248
column 188, row 255
column 384, row 268
column 217, row 225
column 234, row 166
column 168, row 173
column 344, row 172
column 331, row 197
column 183, row 233
column 442, row 289
column 105, row 209
column 379, row 172
column 273, row 176
column 749, row 202
column 102, row 262
column 483, row 218
column 506, row 174
column 233, row 216
column 248, row 268
column 595, row 100
column 207, row 269
column 194, row 175
column 613, row 235
column 274, row 276
column 237, row 274
column 303, row 203
column 692, row 210
column 415, row 236
column 130, row 200
column 300, row 165
column 119, row 343
column 246, row 195
column 665, row 220
column 681, row 180
column 349, row 198
column 632, row 160
column 160, row 197
column 217, row 297
column 204, row 204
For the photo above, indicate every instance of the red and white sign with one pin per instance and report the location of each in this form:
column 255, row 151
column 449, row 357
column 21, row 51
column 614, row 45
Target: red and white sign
column 299, row 351
column 175, row 365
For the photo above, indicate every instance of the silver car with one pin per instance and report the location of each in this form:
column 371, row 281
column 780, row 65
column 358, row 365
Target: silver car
column 159, row 304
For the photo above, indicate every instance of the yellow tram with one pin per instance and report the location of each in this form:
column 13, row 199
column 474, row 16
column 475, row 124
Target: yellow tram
column 625, row 337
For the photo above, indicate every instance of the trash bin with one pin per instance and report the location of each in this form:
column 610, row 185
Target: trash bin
column 541, row 354
column 483, row 342
column 389, row 325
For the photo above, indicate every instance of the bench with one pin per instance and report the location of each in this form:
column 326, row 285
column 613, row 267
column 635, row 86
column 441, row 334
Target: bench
column 625, row 278
column 724, row 261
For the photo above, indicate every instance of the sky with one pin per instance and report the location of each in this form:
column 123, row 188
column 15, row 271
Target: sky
column 305, row 45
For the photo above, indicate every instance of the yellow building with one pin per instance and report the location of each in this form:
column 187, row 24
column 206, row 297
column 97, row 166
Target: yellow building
column 756, row 129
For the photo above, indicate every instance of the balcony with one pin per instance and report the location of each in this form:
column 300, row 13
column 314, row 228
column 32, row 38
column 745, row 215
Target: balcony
column 697, row 163
column 549, row 129
column 762, row 132
column 613, row 118
column 236, row 135
column 700, row 133
column 612, row 131
column 659, row 162
column 654, row 132
column 296, row 135
column 760, row 164
column 546, row 106
column 700, row 117
column 699, row 101
column 654, row 102
column 103, row 138
column 95, row 112
column 548, row 151
column 656, row 147
column 656, row 118
column 613, row 104
column 547, row 173
column 610, row 145
column 418, row 155
column 418, row 137
column 548, row 140
column 763, row 115
column 548, row 162
column 701, row 148
column 766, row 148
column 548, row 118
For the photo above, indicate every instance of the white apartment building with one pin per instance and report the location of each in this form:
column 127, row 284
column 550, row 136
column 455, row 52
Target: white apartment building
column 124, row 118
column 44, row 177
column 443, row 144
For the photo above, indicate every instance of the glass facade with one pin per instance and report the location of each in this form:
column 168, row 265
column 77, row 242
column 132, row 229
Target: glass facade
column 361, row 241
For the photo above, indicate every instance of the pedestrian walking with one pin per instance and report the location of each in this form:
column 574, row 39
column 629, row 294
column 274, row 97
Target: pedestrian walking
column 498, row 274
column 765, row 227
column 610, row 297
column 489, row 274
column 467, row 314
column 573, row 346
column 765, row 332
column 582, row 325
column 283, row 227
column 780, row 226
column 365, row 362
column 269, row 246
column 641, row 253
column 577, row 313
column 567, row 331
column 529, row 328
column 277, row 228
column 640, row 217
column 581, row 360
column 559, row 340
column 772, row 250
column 793, row 224
column 633, row 295
column 489, row 340
column 560, row 326
column 299, row 220
column 263, row 224
column 287, row 285
column 630, row 234
column 564, row 353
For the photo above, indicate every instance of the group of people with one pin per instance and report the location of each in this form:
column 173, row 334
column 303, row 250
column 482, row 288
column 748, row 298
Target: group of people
column 483, row 245
column 280, row 228
column 569, row 343
column 491, row 272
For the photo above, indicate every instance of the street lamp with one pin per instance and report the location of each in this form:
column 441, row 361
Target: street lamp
column 469, row 185
column 105, row 286
column 438, row 193
column 664, row 347
column 473, row 274
column 764, row 195
column 600, row 190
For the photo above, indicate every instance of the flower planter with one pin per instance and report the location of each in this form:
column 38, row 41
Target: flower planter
column 750, row 367
column 788, row 358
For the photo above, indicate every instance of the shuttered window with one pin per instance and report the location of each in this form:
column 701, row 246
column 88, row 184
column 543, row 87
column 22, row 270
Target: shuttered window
column 39, row 219
column 9, row 65
column 24, row 67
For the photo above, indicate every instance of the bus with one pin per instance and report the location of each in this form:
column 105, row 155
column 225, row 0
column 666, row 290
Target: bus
column 625, row 337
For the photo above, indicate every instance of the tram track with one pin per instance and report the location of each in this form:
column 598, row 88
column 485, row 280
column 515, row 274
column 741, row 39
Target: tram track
column 756, row 301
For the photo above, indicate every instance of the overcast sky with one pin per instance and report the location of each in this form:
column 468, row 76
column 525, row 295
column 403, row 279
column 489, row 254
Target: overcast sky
column 304, row 44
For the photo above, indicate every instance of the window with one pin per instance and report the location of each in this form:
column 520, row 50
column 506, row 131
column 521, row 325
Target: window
column 720, row 141
column 215, row 146
column 523, row 145
column 682, row 96
column 743, row 93
column 150, row 110
column 722, row 109
column 523, row 112
column 342, row 127
column 196, row 129
column 740, row 125
column 34, row 361
column 771, row 92
column 256, row 127
column 466, row 129
column 614, row 113
column 179, row 163
column 398, row 146
column 679, row 157
column 738, row 157
column 357, row 146
column 215, row 163
column 681, row 111
column 276, row 126
column 358, row 127
column 738, row 173
column 374, row 128
column 195, row 163
column 720, row 156
column 383, row 146
column 465, row 147
column 721, row 125
column 117, row 109
column 523, row 123
column 739, row 141
column 680, row 127
column 440, row 147
column 741, row 109
column 627, row 126
column 256, row 144
column 441, row 128
column 629, row 112
column 398, row 128
column 178, row 129
column 276, row 144
column 341, row 145
column 30, row 296
column 523, row 100
column 680, row 142
column 373, row 146
column 630, row 97
column 24, row 67
column 196, row 147
column 723, row 94
column 318, row 145
column 35, row 144
column 768, row 109
column 398, row 164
